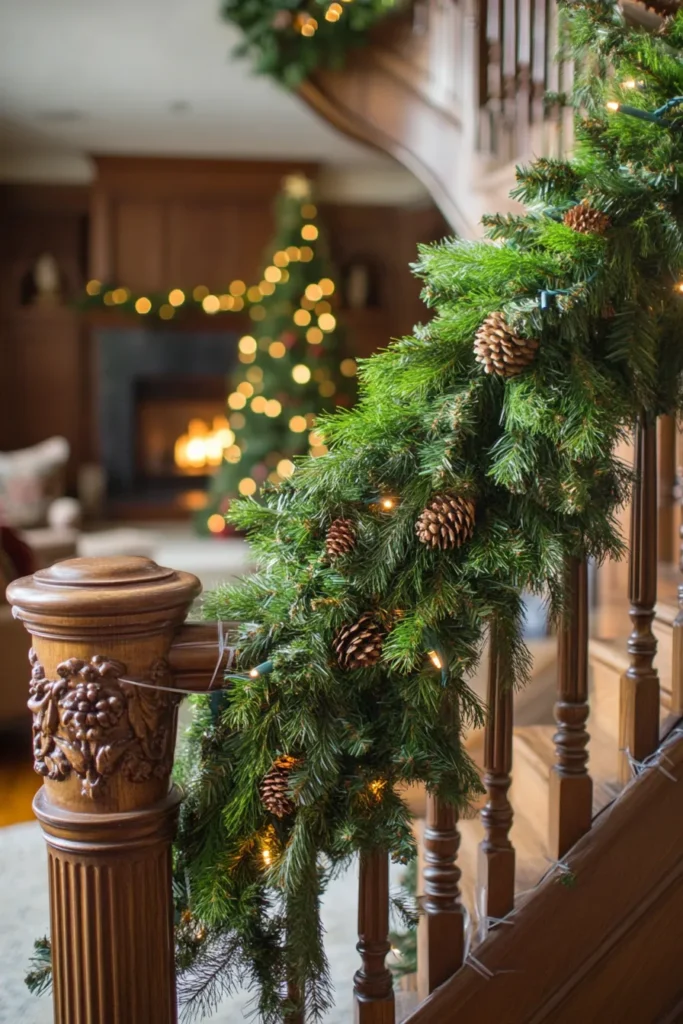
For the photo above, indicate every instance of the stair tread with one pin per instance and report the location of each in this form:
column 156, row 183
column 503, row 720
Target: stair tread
column 613, row 652
column 535, row 744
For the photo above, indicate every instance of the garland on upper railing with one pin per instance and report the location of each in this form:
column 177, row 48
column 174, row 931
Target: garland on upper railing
column 481, row 457
column 289, row 39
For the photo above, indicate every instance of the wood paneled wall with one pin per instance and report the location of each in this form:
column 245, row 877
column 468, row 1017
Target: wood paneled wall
column 158, row 223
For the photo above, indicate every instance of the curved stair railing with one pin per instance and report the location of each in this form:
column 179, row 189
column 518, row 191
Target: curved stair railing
column 457, row 94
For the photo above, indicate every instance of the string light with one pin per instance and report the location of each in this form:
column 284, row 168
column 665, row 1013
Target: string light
column 120, row 295
column 306, row 253
column 348, row 368
column 388, row 503
column 309, row 232
column 314, row 335
column 273, row 408
column 216, row 523
column 237, row 400
column 314, row 292
column 237, row 421
column 272, row 274
column 436, row 660
column 276, row 349
column 281, row 259
column 247, row 487
column 327, row 286
column 237, row 288
column 326, row 322
column 200, row 292
column 142, row 305
column 176, row 297
column 301, row 374
column 234, row 453
column 285, row 468
column 302, row 318
column 322, row 307
column 258, row 404
column 255, row 374
column 247, row 344
column 261, row 670
column 327, row 388
column 211, row 304
column 293, row 253
column 653, row 116
column 245, row 388
column 297, row 424
column 257, row 313
column 93, row 287
column 166, row 312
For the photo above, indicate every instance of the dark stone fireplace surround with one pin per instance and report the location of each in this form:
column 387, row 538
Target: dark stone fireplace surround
column 126, row 356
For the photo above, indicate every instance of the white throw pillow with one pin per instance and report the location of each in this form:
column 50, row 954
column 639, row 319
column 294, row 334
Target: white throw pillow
column 30, row 480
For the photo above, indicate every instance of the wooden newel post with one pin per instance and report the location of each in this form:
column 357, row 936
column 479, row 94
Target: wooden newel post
column 105, row 749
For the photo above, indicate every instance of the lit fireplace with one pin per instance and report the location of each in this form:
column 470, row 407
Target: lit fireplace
column 202, row 446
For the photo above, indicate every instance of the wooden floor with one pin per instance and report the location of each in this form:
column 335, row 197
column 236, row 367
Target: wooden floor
column 18, row 782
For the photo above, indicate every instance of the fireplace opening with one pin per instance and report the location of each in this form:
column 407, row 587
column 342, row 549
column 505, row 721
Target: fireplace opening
column 162, row 415
column 181, row 428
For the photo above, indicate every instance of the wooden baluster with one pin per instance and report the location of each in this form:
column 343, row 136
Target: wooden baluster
column 441, row 931
column 538, row 66
column 677, row 653
column 373, row 987
column 523, row 115
column 496, row 865
column 494, row 75
column 639, row 698
column 571, row 787
column 105, row 749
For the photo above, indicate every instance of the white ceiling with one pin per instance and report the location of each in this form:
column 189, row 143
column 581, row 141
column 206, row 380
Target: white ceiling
column 143, row 77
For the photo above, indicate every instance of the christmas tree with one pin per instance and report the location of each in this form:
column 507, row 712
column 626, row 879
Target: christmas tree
column 480, row 458
column 293, row 366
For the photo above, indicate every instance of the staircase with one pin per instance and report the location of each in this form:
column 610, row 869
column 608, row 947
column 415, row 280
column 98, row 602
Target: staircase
column 455, row 91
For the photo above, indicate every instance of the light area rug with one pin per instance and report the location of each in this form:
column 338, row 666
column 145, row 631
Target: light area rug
column 24, row 917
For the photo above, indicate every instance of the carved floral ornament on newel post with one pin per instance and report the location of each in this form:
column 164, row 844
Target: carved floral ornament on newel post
column 91, row 722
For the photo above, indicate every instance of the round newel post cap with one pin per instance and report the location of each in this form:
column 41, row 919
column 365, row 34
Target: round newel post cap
column 103, row 590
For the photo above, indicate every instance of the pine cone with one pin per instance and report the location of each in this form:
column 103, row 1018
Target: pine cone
column 359, row 645
column 586, row 220
column 275, row 786
column 341, row 538
column 447, row 522
column 500, row 350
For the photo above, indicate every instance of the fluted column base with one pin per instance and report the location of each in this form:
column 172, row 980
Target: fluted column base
column 111, row 913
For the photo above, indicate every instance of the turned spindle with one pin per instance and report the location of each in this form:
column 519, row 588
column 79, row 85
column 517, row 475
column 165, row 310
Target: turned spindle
column 639, row 698
column 105, row 747
column 441, row 929
column 372, row 983
column 571, row 787
column 496, row 863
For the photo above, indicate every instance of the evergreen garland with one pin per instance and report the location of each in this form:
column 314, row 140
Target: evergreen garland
column 533, row 452
column 289, row 39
